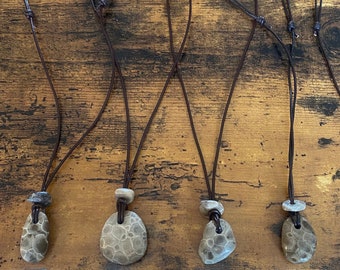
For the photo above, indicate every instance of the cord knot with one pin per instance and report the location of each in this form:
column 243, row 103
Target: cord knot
column 215, row 216
column 28, row 11
column 317, row 28
column 101, row 4
column 291, row 26
column 40, row 201
column 260, row 20
column 29, row 14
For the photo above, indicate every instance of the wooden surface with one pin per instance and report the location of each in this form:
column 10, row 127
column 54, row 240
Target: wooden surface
column 252, row 172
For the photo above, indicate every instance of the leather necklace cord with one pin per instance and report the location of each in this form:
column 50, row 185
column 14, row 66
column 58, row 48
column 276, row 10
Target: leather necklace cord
column 317, row 34
column 292, row 93
column 49, row 176
column 121, row 204
column 291, row 29
column 210, row 186
column 30, row 16
column 130, row 169
column 98, row 9
column 295, row 216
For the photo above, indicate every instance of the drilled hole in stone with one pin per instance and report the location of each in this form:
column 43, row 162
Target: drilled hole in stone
column 298, row 226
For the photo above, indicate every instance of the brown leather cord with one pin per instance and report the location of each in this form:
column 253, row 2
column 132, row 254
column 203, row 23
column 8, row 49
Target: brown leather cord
column 187, row 103
column 214, row 215
column 227, row 105
column 130, row 169
column 210, row 187
column 30, row 16
column 295, row 216
column 121, row 204
column 99, row 12
column 49, row 176
column 292, row 94
column 316, row 29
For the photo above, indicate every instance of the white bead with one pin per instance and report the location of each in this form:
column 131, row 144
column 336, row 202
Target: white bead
column 207, row 205
column 296, row 207
column 125, row 193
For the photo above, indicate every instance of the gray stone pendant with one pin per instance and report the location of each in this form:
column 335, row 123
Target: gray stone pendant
column 124, row 243
column 34, row 238
column 216, row 247
column 298, row 245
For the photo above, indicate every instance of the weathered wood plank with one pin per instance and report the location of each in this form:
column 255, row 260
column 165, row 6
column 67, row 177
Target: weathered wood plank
column 252, row 174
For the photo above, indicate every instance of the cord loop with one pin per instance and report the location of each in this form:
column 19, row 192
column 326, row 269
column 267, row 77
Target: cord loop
column 296, row 219
column 35, row 213
column 215, row 216
column 121, row 207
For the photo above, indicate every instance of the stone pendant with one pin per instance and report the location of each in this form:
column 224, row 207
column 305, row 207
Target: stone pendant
column 34, row 239
column 216, row 247
column 124, row 243
column 298, row 245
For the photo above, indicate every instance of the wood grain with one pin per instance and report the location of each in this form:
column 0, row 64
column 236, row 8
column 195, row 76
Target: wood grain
column 252, row 172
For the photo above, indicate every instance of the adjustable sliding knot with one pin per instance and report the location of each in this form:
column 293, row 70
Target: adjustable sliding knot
column 215, row 216
column 291, row 28
column 100, row 5
column 260, row 20
column 28, row 12
column 317, row 28
column 103, row 3
column 40, row 201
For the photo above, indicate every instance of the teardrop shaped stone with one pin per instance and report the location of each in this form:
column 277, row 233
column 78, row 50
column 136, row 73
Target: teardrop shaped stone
column 34, row 238
column 298, row 245
column 216, row 247
column 124, row 243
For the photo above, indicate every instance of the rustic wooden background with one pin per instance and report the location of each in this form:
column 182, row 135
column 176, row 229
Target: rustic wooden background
column 252, row 173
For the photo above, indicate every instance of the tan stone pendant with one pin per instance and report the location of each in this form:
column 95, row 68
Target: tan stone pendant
column 216, row 247
column 124, row 243
column 298, row 245
column 34, row 238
